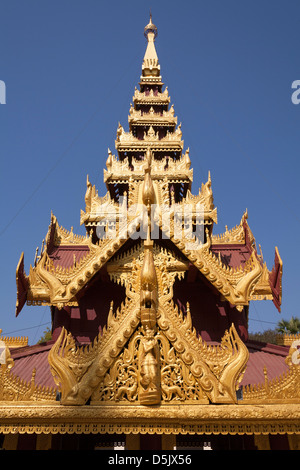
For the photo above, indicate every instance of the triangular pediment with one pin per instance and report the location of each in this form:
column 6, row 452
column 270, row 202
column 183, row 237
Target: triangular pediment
column 146, row 355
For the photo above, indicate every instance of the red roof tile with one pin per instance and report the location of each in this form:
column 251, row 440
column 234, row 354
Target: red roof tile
column 232, row 255
column 263, row 355
column 64, row 255
column 28, row 358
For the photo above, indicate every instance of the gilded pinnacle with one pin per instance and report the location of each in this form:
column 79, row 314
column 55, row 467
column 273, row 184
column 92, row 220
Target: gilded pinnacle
column 150, row 28
column 150, row 63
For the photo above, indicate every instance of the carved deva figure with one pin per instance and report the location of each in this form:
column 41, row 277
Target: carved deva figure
column 149, row 393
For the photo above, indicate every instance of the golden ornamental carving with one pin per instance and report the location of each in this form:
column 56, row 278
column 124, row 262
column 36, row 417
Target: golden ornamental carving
column 235, row 235
column 234, row 283
column 165, row 118
column 178, row 384
column 148, row 354
column 148, row 195
column 286, row 339
column 262, row 290
column 213, row 372
column 157, row 145
column 122, row 383
column 14, row 341
column 97, row 207
column 205, row 196
column 62, row 236
column 154, row 368
column 166, row 167
column 78, row 370
column 30, row 418
column 120, row 266
column 58, row 285
column 151, row 97
column 149, row 137
column 219, row 369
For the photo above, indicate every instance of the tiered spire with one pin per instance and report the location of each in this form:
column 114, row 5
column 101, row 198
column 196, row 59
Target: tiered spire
column 150, row 168
column 153, row 130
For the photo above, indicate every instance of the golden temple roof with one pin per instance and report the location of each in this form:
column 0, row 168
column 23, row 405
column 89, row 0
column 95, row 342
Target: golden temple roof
column 148, row 350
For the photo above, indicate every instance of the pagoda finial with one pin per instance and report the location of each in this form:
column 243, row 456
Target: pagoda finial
column 150, row 28
column 150, row 66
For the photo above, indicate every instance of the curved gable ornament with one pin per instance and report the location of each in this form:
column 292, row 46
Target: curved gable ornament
column 148, row 363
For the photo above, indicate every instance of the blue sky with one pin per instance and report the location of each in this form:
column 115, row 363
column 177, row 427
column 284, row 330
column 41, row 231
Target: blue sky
column 70, row 68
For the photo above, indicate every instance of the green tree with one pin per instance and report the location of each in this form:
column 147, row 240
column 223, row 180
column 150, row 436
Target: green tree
column 267, row 336
column 47, row 336
column 289, row 327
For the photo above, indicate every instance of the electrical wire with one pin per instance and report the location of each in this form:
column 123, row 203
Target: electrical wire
column 63, row 155
column 24, row 329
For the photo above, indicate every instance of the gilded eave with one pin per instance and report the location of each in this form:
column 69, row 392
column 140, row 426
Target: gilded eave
column 165, row 168
column 164, row 118
column 192, row 419
column 126, row 141
column 151, row 98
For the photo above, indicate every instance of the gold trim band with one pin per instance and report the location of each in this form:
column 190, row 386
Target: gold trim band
column 193, row 419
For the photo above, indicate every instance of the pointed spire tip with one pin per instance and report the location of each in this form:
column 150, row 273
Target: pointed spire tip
column 150, row 28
